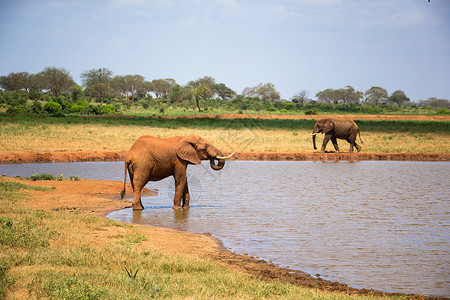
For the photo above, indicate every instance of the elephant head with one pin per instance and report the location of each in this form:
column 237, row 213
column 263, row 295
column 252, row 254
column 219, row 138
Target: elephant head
column 194, row 149
column 322, row 126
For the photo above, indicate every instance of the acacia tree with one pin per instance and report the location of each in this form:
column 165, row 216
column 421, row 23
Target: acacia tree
column 15, row 81
column 376, row 95
column 300, row 97
column 94, row 76
column 224, row 92
column 398, row 97
column 56, row 80
column 265, row 92
column 346, row 95
column 118, row 83
column 162, row 87
column 99, row 91
column 135, row 84
column 201, row 91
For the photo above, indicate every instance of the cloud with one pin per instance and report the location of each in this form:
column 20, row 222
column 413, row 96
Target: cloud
column 410, row 18
column 228, row 3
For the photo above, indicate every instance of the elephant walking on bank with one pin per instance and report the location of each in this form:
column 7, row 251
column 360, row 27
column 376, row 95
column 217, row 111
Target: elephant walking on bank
column 153, row 159
column 334, row 129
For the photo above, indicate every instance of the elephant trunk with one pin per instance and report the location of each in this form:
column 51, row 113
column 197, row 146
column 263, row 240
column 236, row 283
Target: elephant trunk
column 314, row 140
column 219, row 166
column 221, row 161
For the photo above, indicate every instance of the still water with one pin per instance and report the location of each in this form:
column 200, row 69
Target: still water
column 380, row 225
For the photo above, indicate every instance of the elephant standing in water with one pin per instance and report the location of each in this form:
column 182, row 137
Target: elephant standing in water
column 334, row 129
column 152, row 159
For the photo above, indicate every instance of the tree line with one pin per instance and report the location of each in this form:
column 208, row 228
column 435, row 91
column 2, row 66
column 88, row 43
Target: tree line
column 102, row 85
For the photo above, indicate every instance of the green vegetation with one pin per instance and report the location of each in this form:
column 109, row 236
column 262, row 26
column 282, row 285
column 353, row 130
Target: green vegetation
column 57, row 255
column 217, row 123
column 53, row 91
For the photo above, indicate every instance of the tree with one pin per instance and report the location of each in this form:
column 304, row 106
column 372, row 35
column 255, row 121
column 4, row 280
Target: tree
column 135, row 84
column 300, row 97
column 99, row 91
column 162, row 87
column 327, row 96
column 350, row 95
column 77, row 92
column 223, row 91
column 398, row 97
column 376, row 95
column 201, row 91
column 56, row 80
column 267, row 91
column 435, row 102
column 119, row 84
column 346, row 95
column 15, row 81
column 94, row 76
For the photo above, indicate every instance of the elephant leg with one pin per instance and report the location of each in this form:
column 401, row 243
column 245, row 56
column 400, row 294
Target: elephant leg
column 137, row 188
column 335, row 144
column 138, row 181
column 326, row 139
column 186, row 197
column 180, row 186
column 358, row 147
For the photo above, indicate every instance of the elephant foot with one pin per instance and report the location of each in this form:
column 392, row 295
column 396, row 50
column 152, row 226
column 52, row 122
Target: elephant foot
column 176, row 207
column 186, row 206
column 138, row 207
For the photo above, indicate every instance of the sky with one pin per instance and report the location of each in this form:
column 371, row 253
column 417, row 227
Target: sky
column 297, row 45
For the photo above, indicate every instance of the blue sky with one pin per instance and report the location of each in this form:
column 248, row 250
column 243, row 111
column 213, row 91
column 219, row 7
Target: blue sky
column 297, row 45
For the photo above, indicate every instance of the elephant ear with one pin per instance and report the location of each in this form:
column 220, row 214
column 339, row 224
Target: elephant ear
column 187, row 151
column 328, row 125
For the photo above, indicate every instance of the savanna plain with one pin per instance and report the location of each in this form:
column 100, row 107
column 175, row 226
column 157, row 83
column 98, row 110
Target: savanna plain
column 53, row 245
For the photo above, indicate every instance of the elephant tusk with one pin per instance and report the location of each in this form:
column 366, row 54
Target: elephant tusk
column 224, row 157
column 313, row 133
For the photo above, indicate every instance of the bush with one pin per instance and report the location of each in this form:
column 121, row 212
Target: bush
column 16, row 109
column 36, row 108
column 271, row 109
column 443, row 111
column 312, row 111
column 53, row 107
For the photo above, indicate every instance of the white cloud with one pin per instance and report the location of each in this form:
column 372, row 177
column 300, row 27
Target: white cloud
column 228, row 3
column 408, row 18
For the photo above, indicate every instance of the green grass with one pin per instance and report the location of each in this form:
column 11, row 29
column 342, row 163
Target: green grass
column 57, row 255
column 217, row 123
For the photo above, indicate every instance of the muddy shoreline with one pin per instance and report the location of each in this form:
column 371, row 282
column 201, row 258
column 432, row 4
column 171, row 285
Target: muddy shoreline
column 16, row 157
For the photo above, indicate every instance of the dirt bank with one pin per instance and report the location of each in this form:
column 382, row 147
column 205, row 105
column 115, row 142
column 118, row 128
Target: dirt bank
column 100, row 197
column 15, row 157
column 299, row 117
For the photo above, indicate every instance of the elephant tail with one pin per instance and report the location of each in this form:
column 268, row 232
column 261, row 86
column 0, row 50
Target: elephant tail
column 359, row 133
column 122, row 193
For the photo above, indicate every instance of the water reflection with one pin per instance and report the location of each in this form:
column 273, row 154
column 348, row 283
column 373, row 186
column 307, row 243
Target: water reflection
column 381, row 225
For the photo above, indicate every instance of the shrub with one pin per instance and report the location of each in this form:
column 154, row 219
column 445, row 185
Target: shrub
column 312, row 111
column 16, row 109
column 36, row 108
column 271, row 109
column 443, row 111
column 53, row 107
column 42, row 176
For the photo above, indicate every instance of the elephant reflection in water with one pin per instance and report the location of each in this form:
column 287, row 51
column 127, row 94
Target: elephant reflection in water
column 334, row 129
column 153, row 159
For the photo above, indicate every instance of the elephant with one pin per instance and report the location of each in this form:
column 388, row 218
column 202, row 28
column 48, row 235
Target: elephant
column 333, row 129
column 153, row 159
